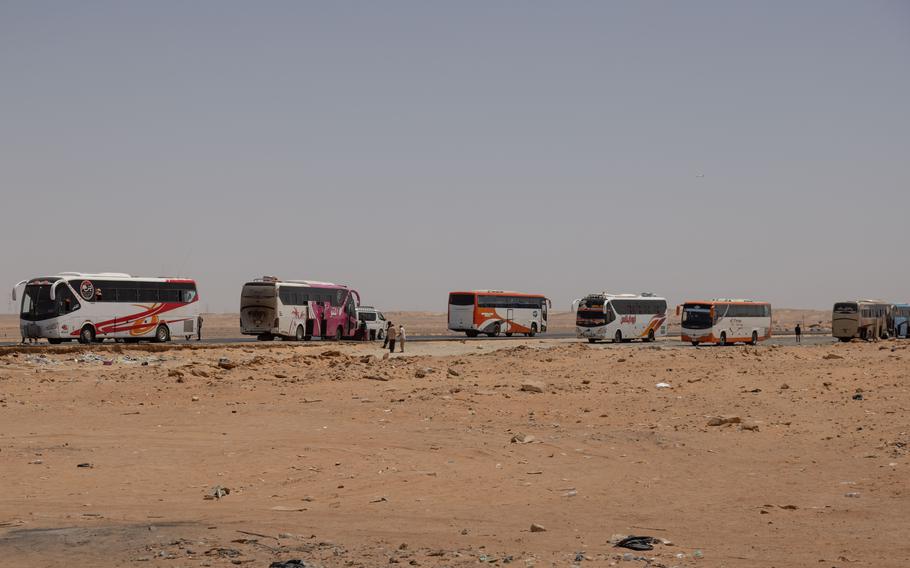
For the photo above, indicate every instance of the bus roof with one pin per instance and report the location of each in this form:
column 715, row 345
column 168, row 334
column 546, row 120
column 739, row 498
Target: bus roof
column 311, row 283
column 726, row 301
column 114, row 276
column 642, row 296
column 499, row 293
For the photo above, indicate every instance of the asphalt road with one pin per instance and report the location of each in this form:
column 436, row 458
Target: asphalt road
column 785, row 340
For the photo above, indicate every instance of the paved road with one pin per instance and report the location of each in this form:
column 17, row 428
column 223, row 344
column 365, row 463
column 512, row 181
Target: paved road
column 787, row 340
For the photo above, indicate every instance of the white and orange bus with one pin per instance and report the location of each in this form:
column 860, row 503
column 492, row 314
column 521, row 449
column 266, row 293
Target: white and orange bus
column 725, row 322
column 493, row 312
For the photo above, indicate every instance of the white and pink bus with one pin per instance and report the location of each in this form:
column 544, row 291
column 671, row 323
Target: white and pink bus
column 92, row 307
column 298, row 309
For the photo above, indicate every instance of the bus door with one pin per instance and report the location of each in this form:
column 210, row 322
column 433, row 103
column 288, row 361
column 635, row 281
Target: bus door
column 510, row 316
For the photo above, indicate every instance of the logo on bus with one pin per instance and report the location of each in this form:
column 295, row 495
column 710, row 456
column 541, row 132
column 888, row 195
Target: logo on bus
column 628, row 319
column 87, row 289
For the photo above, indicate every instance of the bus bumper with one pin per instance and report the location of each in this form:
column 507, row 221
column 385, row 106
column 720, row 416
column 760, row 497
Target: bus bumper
column 590, row 332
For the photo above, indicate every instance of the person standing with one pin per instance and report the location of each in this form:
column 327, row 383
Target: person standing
column 401, row 336
column 364, row 333
column 799, row 333
column 392, row 334
column 199, row 327
column 385, row 334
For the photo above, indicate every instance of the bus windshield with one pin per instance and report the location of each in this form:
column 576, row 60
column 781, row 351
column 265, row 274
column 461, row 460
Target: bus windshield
column 696, row 317
column 461, row 299
column 37, row 304
column 845, row 308
column 256, row 291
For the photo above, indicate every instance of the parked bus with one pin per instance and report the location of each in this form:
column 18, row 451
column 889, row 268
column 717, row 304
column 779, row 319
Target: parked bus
column 493, row 312
column 725, row 322
column 901, row 317
column 298, row 309
column 865, row 319
column 93, row 307
column 621, row 317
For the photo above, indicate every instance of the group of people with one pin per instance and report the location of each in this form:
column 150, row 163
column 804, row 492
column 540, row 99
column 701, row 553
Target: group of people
column 393, row 334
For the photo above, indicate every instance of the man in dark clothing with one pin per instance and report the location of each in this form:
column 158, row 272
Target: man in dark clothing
column 799, row 333
column 199, row 327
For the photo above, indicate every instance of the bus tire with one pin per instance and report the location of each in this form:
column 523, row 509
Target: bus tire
column 618, row 337
column 339, row 333
column 508, row 334
column 845, row 339
column 495, row 331
column 694, row 344
column 592, row 340
column 54, row 340
column 533, row 331
column 298, row 335
column 162, row 334
column 723, row 338
column 380, row 334
column 264, row 337
column 754, row 338
column 471, row 333
column 650, row 335
column 87, row 335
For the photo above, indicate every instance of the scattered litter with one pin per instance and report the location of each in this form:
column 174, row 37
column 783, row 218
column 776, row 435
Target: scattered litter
column 217, row 492
column 537, row 528
column 858, row 396
column 295, row 563
column 41, row 360
column 287, row 509
column 663, row 385
column 85, row 465
column 522, row 438
column 226, row 363
column 853, row 495
column 637, row 542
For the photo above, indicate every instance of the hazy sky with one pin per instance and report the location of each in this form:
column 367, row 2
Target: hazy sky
column 412, row 148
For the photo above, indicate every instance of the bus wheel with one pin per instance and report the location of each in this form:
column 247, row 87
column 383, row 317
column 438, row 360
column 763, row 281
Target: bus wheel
column 754, row 338
column 87, row 335
column 618, row 337
column 533, row 331
column 380, row 334
column 723, row 338
column 299, row 335
column 650, row 336
column 54, row 340
column 495, row 331
column 845, row 339
column 471, row 333
column 508, row 334
column 592, row 340
column 162, row 334
column 338, row 333
column 694, row 344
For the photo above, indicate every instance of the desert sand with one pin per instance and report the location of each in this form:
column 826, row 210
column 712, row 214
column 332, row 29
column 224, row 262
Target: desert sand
column 448, row 454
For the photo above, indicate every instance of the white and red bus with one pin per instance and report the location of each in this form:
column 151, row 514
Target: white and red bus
column 725, row 322
column 493, row 312
column 93, row 307
column 620, row 317
column 298, row 309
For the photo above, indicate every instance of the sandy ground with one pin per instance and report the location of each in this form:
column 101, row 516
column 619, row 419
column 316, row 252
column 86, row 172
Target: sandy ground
column 430, row 323
column 340, row 458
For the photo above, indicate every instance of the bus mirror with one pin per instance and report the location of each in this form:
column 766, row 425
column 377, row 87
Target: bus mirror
column 54, row 290
column 14, row 294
